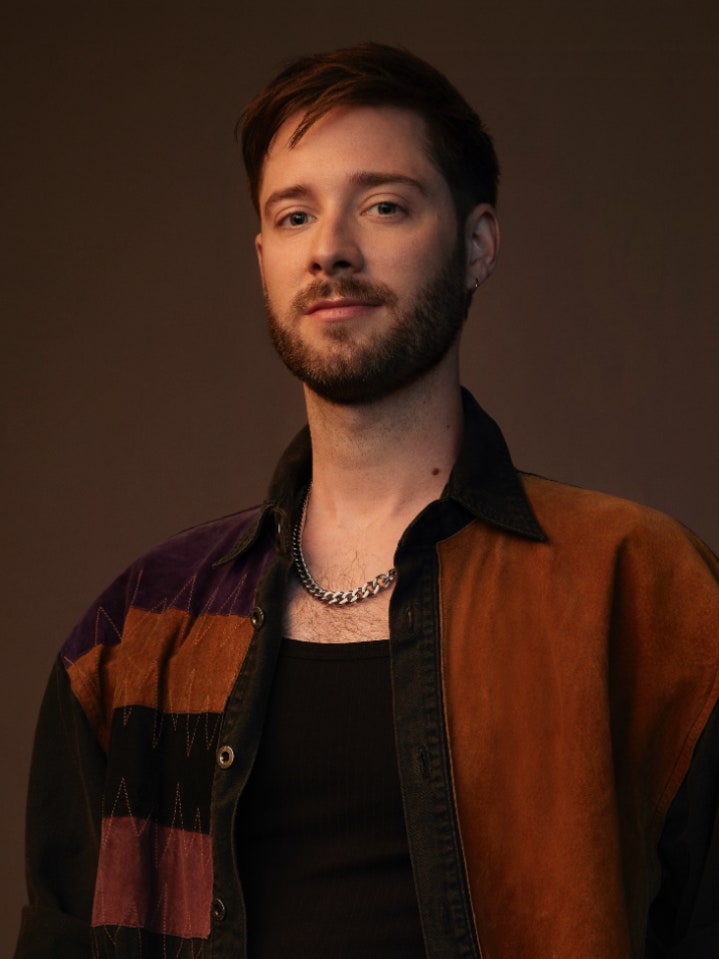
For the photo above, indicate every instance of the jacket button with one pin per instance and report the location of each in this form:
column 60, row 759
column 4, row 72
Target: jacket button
column 217, row 910
column 225, row 756
column 257, row 617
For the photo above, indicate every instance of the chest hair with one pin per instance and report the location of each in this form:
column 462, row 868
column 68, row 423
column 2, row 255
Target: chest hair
column 311, row 620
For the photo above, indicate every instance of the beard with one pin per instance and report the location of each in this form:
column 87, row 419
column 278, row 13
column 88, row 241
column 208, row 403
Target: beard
column 351, row 368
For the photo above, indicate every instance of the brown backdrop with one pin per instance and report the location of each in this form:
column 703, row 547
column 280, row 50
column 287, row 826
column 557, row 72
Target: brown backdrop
column 141, row 395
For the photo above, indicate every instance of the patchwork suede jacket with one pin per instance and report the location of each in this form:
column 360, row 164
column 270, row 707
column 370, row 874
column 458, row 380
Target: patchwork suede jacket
column 554, row 660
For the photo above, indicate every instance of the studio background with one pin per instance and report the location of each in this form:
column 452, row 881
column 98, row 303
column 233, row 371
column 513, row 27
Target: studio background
column 140, row 391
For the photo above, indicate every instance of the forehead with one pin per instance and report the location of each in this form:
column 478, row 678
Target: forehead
column 349, row 139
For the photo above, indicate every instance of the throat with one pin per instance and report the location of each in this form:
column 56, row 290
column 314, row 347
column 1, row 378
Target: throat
column 333, row 597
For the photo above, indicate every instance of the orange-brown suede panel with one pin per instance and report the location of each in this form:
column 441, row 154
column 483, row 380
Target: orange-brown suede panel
column 578, row 675
column 168, row 661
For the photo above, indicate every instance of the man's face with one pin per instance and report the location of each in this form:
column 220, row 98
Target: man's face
column 362, row 261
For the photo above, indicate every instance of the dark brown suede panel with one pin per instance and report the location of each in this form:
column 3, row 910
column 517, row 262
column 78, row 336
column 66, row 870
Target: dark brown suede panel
column 578, row 676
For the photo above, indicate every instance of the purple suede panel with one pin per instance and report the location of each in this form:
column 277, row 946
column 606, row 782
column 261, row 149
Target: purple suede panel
column 178, row 574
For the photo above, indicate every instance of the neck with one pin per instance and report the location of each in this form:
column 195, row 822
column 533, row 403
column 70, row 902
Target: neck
column 387, row 458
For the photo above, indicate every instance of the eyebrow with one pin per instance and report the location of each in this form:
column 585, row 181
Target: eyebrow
column 367, row 178
column 291, row 193
column 363, row 178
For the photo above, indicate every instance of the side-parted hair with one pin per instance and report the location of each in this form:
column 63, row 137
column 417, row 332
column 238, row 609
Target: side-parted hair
column 374, row 74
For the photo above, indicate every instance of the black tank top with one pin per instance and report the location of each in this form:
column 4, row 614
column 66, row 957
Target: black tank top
column 322, row 846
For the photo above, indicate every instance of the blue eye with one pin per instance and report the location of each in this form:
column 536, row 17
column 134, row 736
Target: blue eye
column 387, row 208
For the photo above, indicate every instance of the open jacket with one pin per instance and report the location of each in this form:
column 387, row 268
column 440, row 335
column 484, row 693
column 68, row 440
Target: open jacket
column 554, row 662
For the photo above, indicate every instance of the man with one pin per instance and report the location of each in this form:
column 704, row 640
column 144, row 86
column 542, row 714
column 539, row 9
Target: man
column 417, row 703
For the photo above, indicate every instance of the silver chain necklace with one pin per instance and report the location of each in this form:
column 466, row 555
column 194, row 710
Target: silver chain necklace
column 370, row 588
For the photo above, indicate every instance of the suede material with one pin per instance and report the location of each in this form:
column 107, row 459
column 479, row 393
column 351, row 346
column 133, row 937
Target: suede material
column 173, row 897
column 580, row 673
column 578, row 670
column 168, row 661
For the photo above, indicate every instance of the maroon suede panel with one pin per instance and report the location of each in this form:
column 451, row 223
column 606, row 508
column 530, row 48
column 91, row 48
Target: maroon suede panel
column 155, row 878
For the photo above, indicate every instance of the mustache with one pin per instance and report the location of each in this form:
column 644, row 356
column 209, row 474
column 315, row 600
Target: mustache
column 344, row 286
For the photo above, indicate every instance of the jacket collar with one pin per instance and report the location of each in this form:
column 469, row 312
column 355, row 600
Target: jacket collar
column 483, row 481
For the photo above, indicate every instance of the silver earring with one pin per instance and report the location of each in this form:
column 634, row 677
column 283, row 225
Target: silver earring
column 476, row 282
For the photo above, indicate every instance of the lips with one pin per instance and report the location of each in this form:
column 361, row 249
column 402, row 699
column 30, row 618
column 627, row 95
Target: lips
column 348, row 304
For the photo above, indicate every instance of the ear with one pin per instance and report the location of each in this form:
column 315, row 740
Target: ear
column 481, row 243
column 258, row 251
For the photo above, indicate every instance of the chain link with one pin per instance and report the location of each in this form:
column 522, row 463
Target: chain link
column 370, row 588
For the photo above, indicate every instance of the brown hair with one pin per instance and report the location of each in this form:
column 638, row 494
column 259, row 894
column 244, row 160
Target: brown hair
column 373, row 74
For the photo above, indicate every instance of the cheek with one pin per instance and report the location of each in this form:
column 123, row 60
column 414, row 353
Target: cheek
column 282, row 265
column 395, row 263
column 412, row 267
column 273, row 276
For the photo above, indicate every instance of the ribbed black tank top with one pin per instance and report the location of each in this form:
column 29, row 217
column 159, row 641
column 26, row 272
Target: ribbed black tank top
column 322, row 846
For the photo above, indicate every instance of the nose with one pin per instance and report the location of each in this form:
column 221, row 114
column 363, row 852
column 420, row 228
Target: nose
column 335, row 248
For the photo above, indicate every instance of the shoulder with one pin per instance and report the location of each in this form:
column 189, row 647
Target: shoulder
column 140, row 642
column 178, row 573
column 651, row 571
column 558, row 502
column 198, row 547
column 601, row 522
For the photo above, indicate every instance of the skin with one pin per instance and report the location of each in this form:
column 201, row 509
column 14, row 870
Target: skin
column 412, row 342
column 356, row 220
